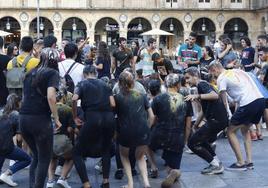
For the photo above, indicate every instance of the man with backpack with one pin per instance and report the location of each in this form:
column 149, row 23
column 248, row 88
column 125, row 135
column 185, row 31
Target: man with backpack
column 71, row 72
column 20, row 65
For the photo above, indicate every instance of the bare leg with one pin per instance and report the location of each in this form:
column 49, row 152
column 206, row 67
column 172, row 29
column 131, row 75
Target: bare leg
column 67, row 167
column 51, row 169
column 140, row 153
column 126, row 164
column 151, row 158
column 231, row 132
column 247, row 143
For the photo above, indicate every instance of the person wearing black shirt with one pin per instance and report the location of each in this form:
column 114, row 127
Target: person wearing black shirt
column 4, row 59
column 122, row 58
column 39, row 101
column 133, row 111
column 98, row 129
column 215, row 113
column 103, row 62
column 162, row 65
column 173, row 114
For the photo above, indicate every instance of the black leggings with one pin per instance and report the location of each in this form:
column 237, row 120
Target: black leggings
column 200, row 141
column 37, row 131
column 96, row 134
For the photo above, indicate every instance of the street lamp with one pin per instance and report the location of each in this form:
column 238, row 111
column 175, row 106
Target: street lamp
column 107, row 26
column 38, row 21
column 236, row 27
column 41, row 25
column 203, row 25
column 8, row 24
column 171, row 26
column 139, row 25
column 74, row 26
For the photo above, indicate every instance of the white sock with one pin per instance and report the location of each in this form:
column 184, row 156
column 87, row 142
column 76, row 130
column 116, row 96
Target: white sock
column 216, row 158
column 214, row 162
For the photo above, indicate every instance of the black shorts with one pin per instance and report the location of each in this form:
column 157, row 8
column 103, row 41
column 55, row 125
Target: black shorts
column 266, row 103
column 251, row 113
column 172, row 159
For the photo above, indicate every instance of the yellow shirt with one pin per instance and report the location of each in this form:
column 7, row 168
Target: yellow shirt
column 20, row 58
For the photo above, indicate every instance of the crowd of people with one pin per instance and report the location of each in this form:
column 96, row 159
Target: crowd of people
column 63, row 105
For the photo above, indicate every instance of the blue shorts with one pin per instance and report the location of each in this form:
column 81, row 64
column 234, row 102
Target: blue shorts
column 251, row 113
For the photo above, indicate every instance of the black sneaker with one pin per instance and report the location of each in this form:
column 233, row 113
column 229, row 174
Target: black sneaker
column 134, row 172
column 250, row 166
column 153, row 174
column 235, row 167
column 119, row 174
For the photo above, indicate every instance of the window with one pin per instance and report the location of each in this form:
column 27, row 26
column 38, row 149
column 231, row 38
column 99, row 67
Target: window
column 171, row 3
column 236, row 1
column 204, row 1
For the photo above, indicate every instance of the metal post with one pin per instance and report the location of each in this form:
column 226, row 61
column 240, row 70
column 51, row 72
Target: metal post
column 38, row 16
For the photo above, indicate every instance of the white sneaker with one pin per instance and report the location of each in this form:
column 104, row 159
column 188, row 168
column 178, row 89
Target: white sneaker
column 8, row 180
column 64, row 183
column 12, row 162
column 50, row 184
column 58, row 171
column 188, row 150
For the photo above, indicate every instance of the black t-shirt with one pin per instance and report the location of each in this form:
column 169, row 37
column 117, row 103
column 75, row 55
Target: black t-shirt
column 94, row 94
column 212, row 109
column 132, row 119
column 8, row 128
column 4, row 59
column 171, row 110
column 105, row 71
column 204, row 62
column 122, row 59
column 35, row 96
column 163, row 68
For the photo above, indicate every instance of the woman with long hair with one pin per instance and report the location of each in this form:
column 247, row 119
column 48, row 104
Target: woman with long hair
column 39, row 102
column 207, row 56
column 135, row 48
column 12, row 50
column 133, row 128
column 103, row 62
column 9, row 123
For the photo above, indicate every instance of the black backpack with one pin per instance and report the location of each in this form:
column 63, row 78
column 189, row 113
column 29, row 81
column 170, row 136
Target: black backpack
column 67, row 80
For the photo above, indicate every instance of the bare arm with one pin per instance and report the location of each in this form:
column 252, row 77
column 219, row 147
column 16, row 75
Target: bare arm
column 51, row 98
column 224, row 52
column 224, row 98
column 151, row 117
column 188, row 127
column 77, row 121
column 112, row 102
column 113, row 64
column 99, row 66
column 208, row 96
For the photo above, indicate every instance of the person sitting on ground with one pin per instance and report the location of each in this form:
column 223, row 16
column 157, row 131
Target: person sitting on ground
column 9, row 123
column 62, row 145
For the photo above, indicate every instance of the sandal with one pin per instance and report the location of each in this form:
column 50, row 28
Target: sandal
column 105, row 185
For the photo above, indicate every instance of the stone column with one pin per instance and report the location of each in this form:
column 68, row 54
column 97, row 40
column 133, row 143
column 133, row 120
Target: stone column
column 123, row 30
column 91, row 35
column 58, row 35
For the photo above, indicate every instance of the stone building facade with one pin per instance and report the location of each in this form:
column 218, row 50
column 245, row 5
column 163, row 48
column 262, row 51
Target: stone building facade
column 108, row 19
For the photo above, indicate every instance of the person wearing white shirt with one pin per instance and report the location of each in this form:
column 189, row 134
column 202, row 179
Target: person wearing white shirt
column 251, row 105
column 76, row 71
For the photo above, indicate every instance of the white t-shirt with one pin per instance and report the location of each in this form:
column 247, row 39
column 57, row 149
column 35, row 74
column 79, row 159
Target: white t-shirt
column 76, row 72
column 239, row 86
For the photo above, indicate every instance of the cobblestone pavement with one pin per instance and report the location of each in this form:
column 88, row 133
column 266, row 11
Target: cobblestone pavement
column 191, row 166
